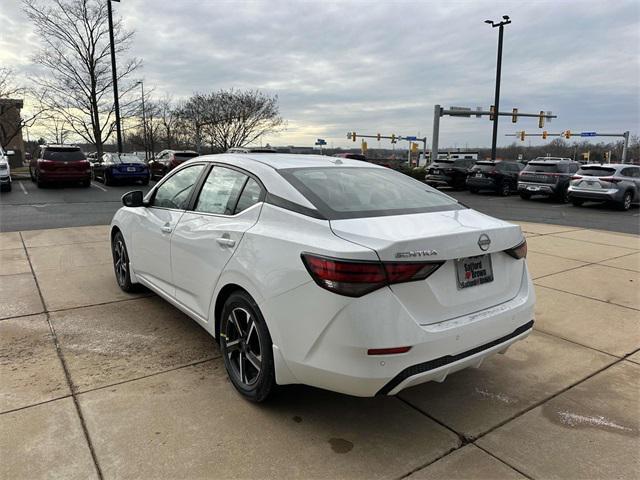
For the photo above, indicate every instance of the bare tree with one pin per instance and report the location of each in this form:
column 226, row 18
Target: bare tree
column 238, row 118
column 169, row 120
column 12, row 119
column 77, row 82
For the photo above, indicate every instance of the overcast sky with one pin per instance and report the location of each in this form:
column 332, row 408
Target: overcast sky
column 381, row 66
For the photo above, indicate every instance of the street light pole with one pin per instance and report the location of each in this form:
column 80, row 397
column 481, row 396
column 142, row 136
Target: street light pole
column 116, row 103
column 144, row 123
column 496, row 102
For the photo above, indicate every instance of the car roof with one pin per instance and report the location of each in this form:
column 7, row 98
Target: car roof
column 279, row 161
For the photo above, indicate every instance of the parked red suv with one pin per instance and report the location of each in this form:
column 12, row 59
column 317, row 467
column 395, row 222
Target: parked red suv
column 58, row 164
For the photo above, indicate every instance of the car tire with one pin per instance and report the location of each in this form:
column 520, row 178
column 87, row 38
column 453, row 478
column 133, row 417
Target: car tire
column 31, row 176
column 39, row 182
column 6, row 188
column 577, row 202
column 145, row 182
column 106, row 179
column 86, row 183
column 525, row 196
column 505, row 190
column 473, row 190
column 627, row 199
column 121, row 264
column 246, row 347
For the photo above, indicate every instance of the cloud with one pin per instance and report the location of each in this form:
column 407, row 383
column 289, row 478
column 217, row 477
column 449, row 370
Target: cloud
column 381, row 66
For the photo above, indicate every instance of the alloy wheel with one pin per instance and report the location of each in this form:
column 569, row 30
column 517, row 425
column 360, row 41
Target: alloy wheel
column 243, row 347
column 627, row 201
column 120, row 262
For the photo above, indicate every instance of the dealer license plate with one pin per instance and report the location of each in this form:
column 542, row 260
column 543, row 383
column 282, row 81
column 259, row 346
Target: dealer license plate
column 131, row 169
column 472, row 271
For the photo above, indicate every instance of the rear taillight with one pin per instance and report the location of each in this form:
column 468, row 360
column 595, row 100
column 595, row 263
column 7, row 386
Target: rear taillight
column 610, row 179
column 519, row 251
column 355, row 278
column 576, row 177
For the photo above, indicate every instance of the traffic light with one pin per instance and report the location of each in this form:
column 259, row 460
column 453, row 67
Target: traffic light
column 544, row 135
column 393, row 138
column 541, row 119
column 514, row 116
column 378, row 137
column 567, row 134
column 522, row 135
column 414, row 147
column 492, row 109
column 606, row 157
column 353, row 135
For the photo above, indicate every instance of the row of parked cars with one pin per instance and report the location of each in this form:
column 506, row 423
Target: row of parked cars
column 69, row 164
column 561, row 178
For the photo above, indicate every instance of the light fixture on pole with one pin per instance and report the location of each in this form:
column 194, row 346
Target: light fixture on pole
column 496, row 103
column 116, row 103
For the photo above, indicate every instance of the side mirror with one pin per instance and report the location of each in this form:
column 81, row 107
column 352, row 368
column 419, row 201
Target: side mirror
column 133, row 199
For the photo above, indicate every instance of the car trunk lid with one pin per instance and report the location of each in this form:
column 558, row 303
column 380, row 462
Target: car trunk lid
column 442, row 236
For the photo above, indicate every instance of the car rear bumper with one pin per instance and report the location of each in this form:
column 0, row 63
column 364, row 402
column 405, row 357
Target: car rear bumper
column 536, row 188
column 64, row 176
column 605, row 194
column 117, row 175
column 482, row 182
column 337, row 358
column 5, row 179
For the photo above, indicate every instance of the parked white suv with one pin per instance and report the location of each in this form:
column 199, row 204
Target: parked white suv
column 5, row 170
column 325, row 271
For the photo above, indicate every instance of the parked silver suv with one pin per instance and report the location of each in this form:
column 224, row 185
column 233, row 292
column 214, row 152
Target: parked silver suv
column 615, row 183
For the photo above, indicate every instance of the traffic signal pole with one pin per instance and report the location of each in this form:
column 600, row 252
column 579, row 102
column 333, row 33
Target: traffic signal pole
column 568, row 134
column 496, row 102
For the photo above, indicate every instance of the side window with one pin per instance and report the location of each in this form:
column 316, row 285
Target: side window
column 250, row 195
column 175, row 191
column 220, row 191
column 626, row 172
column 573, row 168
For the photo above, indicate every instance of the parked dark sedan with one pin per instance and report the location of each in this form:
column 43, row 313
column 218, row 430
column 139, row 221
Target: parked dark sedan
column 167, row 160
column 449, row 172
column 113, row 167
column 59, row 164
column 498, row 176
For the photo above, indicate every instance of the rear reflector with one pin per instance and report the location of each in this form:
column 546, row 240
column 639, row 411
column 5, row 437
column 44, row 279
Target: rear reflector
column 355, row 278
column 519, row 251
column 388, row 351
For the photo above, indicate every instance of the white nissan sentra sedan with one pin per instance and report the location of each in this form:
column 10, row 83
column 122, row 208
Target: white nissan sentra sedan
column 325, row 271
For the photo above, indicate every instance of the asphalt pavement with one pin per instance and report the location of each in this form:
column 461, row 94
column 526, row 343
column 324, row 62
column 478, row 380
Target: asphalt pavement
column 30, row 208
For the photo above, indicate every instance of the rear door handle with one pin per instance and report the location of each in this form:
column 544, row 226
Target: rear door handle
column 227, row 242
column 166, row 229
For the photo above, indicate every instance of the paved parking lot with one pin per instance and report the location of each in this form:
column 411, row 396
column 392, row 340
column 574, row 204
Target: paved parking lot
column 28, row 207
column 99, row 383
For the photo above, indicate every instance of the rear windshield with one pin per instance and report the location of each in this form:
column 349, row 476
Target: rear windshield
column 597, row 171
column 444, row 161
column 63, row 154
column 127, row 159
column 347, row 192
column 185, row 154
column 546, row 167
column 484, row 166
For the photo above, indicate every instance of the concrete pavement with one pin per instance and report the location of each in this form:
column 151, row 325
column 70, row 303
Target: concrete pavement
column 95, row 383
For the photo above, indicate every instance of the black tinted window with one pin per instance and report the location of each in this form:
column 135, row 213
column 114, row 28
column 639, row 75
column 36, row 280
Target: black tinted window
column 597, row 171
column 176, row 190
column 220, row 191
column 185, row 155
column 484, row 166
column 543, row 167
column 250, row 195
column 63, row 154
